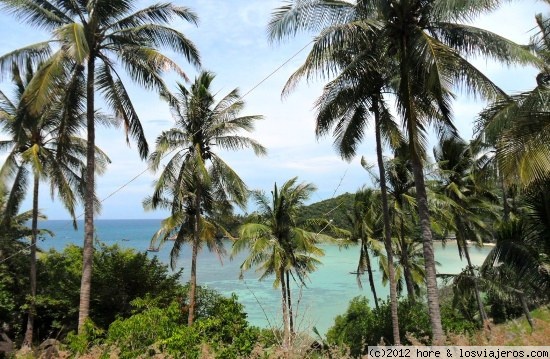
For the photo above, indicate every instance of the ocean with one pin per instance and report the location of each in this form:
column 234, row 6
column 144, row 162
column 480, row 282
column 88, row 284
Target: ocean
column 328, row 290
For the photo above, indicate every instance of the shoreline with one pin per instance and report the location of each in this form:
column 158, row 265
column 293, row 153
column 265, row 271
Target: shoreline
column 469, row 243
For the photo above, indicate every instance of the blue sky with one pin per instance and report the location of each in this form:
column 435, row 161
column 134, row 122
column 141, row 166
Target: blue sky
column 232, row 40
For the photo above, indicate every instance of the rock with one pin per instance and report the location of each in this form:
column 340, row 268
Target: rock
column 49, row 349
column 6, row 345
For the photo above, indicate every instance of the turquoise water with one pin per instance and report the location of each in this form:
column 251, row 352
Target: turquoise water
column 327, row 294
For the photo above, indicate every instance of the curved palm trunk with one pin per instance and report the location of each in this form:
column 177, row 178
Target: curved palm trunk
column 526, row 309
column 88, row 250
column 195, row 251
column 483, row 315
column 286, row 319
column 422, row 204
column 369, row 272
column 387, row 226
column 27, row 341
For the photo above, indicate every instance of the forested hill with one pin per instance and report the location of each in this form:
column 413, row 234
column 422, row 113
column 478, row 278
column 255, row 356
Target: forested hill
column 332, row 208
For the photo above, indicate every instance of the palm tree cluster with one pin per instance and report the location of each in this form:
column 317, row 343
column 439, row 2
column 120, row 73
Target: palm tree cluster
column 414, row 50
column 196, row 183
column 90, row 39
column 278, row 246
column 395, row 64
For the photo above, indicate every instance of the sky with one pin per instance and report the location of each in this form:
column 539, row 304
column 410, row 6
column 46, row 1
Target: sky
column 232, row 41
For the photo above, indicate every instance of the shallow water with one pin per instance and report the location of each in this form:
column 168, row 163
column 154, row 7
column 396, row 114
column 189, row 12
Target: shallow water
column 327, row 294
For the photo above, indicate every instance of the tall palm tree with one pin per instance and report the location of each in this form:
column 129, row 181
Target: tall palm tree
column 353, row 100
column 469, row 201
column 278, row 246
column 46, row 143
column 427, row 42
column 196, row 180
column 95, row 35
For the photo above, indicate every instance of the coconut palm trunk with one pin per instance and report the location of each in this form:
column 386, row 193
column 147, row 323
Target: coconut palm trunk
column 195, row 251
column 484, row 318
column 526, row 309
column 483, row 315
column 387, row 225
column 421, row 198
column 27, row 341
column 88, row 249
column 289, row 301
column 409, row 281
column 284, row 304
column 366, row 255
column 427, row 247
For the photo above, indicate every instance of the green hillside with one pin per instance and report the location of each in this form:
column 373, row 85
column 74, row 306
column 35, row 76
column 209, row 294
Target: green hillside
column 332, row 208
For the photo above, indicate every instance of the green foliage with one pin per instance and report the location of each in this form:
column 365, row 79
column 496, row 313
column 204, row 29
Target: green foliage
column 355, row 327
column 221, row 325
column 140, row 331
column 362, row 325
column 90, row 335
column 14, row 285
column 119, row 277
column 503, row 309
column 454, row 320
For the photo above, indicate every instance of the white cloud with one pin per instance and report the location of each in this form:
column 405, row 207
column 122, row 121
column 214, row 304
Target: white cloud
column 233, row 44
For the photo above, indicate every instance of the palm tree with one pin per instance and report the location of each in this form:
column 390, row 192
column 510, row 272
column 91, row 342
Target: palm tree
column 402, row 210
column 354, row 99
column 517, row 269
column 196, row 180
column 426, row 41
column 467, row 198
column 518, row 126
column 365, row 223
column 48, row 144
column 95, row 35
column 409, row 263
column 277, row 246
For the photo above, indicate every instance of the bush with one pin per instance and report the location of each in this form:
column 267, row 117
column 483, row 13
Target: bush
column 135, row 334
column 362, row 325
column 221, row 325
column 14, row 286
column 119, row 276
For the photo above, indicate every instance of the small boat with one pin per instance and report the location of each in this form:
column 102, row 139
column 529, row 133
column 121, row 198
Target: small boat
column 152, row 249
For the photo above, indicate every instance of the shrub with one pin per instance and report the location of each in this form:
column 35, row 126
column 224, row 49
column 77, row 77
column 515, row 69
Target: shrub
column 119, row 276
column 222, row 326
column 362, row 325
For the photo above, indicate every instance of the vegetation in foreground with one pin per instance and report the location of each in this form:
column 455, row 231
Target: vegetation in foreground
column 140, row 310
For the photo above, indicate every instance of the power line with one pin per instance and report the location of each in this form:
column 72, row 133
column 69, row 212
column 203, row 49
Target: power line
column 145, row 170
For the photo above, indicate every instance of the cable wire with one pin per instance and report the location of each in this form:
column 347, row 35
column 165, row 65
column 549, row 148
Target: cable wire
column 147, row 169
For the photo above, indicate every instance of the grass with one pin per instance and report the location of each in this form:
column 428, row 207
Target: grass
column 513, row 332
